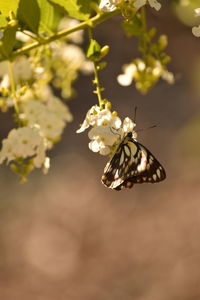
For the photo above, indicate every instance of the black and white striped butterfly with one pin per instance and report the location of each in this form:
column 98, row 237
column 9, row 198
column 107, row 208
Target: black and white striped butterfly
column 131, row 163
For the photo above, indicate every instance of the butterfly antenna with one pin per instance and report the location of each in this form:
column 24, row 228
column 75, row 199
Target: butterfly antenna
column 142, row 129
column 135, row 112
column 112, row 128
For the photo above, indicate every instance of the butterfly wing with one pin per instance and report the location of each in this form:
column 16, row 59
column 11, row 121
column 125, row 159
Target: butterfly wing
column 132, row 163
column 123, row 164
column 151, row 171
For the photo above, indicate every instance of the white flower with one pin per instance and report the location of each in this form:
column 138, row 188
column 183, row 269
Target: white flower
column 141, row 65
column 107, row 129
column 5, row 82
column 51, row 117
column 139, row 3
column 153, row 3
column 130, row 70
column 41, row 160
column 158, row 69
column 71, row 54
column 128, row 125
column 106, row 138
column 196, row 31
column 58, row 107
column 97, row 117
column 50, row 124
column 107, row 5
column 87, row 67
column 22, row 69
column 46, row 165
column 197, row 12
column 98, row 146
column 22, row 37
column 24, row 142
column 102, row 139
column 104, row 133
column 168, row 76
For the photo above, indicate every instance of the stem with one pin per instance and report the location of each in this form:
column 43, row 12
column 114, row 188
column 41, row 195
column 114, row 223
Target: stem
column 32, row 36
column 99, row 18
column 97, row 82
column 144, row 22
column 13, row 88
column 96, row 75
column 143, row 40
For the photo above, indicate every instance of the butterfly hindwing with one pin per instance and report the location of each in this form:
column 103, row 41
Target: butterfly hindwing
column 117, row 169
column 153, row 172
column 132, row 163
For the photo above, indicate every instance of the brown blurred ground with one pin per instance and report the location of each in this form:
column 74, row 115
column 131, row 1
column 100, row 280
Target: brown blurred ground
column 65, row 236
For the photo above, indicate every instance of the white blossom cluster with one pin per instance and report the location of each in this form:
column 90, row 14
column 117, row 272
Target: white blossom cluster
column 66, row 62
column 25, row 142
column 196, row 29
column 111, row 5
column 22, row 71
column 135, row 69
column 107, row 129
column 50, row 116
column 41, row 115
column 44, row 122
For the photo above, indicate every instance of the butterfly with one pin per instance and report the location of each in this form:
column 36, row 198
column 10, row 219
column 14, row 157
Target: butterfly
column 131, row 163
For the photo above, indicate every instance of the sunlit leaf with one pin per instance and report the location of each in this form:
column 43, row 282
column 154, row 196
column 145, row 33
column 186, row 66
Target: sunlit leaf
column 79, row 9
column 8, row 41
column 94, row 50
column 3, row 21
column 49, row 16
column 8, row 5
column 29, row 15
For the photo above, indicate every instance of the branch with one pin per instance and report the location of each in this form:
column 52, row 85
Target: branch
column 99, row 18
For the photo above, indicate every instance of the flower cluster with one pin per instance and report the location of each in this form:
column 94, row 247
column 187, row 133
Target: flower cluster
column 110, row 5
column 107, row 129
column 64, row 65
column 41, row 115
column 196, row 29
column 51, row 116
column 25, row 143
column 153, row 3
column 152, row 66
column 145, row 76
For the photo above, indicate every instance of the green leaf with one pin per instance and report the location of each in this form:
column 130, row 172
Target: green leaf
column 102, row 65
column 8, row 41
column 49, row 16
column 79, row 9
column 94, row 50
column 3, row 21
column 28, row 15
column 9, row 5
column 133, row 26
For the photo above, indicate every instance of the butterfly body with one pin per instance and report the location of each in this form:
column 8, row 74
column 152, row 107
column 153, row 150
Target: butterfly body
column 132, row 163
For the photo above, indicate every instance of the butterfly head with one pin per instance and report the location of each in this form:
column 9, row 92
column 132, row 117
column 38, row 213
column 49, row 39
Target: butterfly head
column 129, row 136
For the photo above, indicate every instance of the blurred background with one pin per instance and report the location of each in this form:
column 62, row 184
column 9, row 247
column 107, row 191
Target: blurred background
column 65, row 236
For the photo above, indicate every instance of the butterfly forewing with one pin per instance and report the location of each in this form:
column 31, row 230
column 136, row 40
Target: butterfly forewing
column 126, row 158
column 132, row 163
